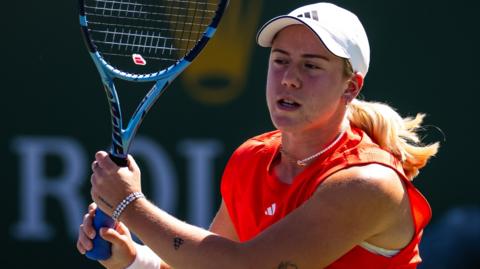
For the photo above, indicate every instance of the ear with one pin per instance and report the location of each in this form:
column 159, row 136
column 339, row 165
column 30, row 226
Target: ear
column 354, row 87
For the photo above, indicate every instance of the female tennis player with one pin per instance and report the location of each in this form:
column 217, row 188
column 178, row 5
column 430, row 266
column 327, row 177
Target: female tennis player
column 331, row 187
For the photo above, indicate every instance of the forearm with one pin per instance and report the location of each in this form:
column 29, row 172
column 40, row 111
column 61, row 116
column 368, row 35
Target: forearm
column 180, row 245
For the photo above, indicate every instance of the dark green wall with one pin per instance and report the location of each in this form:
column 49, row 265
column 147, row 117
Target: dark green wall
column 424, row 59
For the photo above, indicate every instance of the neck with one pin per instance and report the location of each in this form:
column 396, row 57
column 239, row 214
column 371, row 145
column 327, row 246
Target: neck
column 290, row 166
column 301, row 145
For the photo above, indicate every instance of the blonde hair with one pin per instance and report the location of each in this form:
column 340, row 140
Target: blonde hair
column 393, row 133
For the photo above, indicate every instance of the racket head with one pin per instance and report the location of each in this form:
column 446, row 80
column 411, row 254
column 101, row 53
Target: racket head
column 141, row 41
column 145, row 40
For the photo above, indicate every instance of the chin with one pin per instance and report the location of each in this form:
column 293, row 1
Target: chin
column 285, row 124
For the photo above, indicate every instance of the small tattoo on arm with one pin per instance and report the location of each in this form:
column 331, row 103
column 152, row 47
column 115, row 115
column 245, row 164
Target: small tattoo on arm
column 287, row 265
column 177, row 242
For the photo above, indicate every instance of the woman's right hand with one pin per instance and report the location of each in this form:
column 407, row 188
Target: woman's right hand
column 123, row 247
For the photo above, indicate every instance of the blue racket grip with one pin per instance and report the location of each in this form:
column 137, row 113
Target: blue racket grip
column 102, row 249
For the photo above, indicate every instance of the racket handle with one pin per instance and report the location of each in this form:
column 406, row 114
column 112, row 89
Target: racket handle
column 120, row 161
column 102, row 249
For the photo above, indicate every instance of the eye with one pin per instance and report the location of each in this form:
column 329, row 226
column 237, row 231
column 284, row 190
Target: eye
column 280, row 61
column 312, row 66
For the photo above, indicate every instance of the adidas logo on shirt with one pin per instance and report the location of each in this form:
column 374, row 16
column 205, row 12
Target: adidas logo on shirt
column 270, row 211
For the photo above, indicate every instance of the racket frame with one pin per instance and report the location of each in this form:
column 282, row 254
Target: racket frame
column 122, row 137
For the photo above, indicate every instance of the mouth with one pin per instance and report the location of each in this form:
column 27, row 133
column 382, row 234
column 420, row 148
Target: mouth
column 288, row 104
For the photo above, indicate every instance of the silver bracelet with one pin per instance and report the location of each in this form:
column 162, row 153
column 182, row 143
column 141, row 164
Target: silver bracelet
column 120, row 207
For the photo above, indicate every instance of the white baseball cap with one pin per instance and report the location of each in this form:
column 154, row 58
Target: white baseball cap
column 339, row 29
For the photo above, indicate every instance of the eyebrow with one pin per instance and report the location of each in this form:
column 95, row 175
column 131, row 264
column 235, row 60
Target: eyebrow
column 303, row 55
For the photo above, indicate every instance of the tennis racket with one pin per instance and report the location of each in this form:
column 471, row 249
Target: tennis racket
column 141, row 41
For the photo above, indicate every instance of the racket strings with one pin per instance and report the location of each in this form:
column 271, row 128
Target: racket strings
column 159, row 30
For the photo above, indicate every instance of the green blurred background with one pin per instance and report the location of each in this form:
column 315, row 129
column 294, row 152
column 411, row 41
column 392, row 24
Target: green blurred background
column 55, row 116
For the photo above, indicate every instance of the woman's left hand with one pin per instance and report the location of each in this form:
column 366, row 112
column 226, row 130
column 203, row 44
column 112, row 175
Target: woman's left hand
column 111, row 183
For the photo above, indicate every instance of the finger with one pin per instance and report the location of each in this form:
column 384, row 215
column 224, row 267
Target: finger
column 132, row 164
column 101, row 155
column 100, row 170
column 94, row 166
column 92, row 207
column 87, row 226
column 84, row 243
column 80, row 247
column 97, row 179
column 104, row 161
column 94, row 179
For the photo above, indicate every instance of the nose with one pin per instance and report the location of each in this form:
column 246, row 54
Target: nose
column 291, row 78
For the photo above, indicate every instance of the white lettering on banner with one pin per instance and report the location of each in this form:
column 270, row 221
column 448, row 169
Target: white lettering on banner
column 162, row 172
column 35, row 185
column 200, row 155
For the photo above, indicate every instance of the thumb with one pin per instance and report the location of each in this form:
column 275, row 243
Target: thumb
column 123, row 248
column 122, row 229
column 111, row 235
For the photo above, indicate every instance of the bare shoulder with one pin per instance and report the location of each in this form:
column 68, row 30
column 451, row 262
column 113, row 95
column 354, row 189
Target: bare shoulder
column 367, row 187
column 375, row 195
column 373, row 180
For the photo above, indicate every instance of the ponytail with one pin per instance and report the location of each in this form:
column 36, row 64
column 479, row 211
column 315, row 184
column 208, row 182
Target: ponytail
column 393, row 133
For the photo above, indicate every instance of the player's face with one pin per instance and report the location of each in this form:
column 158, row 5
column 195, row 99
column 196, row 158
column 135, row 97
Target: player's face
column 305, row 82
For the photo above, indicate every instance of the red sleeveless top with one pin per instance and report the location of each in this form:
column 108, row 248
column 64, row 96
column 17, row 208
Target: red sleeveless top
column 255, row 199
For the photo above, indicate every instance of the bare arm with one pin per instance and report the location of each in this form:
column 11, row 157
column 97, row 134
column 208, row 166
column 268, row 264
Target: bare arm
column 221, row 225
column 346, row 210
